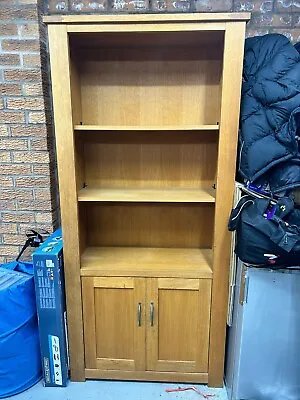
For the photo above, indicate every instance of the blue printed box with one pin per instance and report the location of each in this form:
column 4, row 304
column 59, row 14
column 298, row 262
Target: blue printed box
column 51, row 310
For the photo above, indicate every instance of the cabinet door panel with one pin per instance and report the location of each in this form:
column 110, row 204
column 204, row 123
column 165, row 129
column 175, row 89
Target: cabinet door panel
column 178, row 331
column 114, row 323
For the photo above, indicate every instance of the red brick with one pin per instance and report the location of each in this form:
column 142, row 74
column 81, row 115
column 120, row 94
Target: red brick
column 33, row 89
column 4, row 157
column 170, row 5
column 13, row 144
column 9, row 59
column 4, row 130
column 35, row 117
column 27, row 1
column 9, row 2
column 15, row 169
column 296, row 35
column 213, row 5
column 24, row 227
column 14, row 239
column 29, row 130
column 32, row 60
column 35, row 205
column 84, row 6
column 262, row 5
column 7, row 205
column 289, row 33
column 31, row 157
column 11, row 258
column 12, row 117
column 270, row 20
column 256, row 32
column 283, row 6
column 33, row 181
column 22, row 75
column 11, row 89
column 45, row 217
column 19, row 13
column 282, row 20
column 295, row 20
column 8, row 29
column 20, row 45
column 21, row 216
column 29, row 30
column 41, row 169
column 6, row 181
column 58, row 6
column 27, row 103
column 9, row 250
column 9, row 194
column 43, row 194
column 8, row 228
column 38, row 144
column 130, row 5
column 243, row 5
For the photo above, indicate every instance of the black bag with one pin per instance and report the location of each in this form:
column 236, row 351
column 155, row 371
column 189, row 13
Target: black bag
column 268, row 232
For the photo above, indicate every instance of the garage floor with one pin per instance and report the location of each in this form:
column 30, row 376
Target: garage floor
column 108, row 390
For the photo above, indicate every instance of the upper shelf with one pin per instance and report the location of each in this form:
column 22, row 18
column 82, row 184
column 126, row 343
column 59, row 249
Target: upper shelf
column 157, row 195
column 146, row 128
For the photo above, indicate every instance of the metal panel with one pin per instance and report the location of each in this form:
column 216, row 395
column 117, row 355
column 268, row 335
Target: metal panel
column 263, row 346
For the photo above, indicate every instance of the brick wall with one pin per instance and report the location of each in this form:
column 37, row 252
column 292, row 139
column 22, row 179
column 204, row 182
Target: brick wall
column 282, row 16
column 26, row 146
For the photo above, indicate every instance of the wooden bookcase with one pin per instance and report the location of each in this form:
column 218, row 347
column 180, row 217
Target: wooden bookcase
column 146, row 117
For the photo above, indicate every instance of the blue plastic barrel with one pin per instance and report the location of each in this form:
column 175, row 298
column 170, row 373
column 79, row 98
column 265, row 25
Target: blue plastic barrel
column 20, row 363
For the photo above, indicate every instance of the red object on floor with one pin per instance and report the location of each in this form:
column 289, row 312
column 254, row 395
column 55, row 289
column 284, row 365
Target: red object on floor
column 179, row 389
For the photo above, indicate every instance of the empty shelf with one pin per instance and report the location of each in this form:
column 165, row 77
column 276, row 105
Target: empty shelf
column 146, row 128
column 167, row 195
column 146, row 261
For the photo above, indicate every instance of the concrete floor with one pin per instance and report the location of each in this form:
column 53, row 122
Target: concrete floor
column 113, row 390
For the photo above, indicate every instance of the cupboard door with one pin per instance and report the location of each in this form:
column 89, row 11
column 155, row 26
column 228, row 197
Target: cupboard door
column 114, row 323
column 178, row 318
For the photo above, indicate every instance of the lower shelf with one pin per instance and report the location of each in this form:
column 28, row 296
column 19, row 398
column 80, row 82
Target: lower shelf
column 146, row 261
column 147, row 376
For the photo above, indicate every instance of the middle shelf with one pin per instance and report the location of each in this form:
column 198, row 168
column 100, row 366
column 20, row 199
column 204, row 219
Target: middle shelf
column 147, row 262
column 159, row 195
column 141, row 128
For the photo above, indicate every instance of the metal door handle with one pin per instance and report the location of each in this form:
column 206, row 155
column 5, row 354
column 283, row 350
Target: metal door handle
column 139, row 314
column 151, row 313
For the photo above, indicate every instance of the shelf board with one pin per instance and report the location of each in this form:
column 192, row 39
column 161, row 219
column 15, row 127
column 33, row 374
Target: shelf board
column 159, row 195
column 181, row 17
column 146, row 128
column 147, row 262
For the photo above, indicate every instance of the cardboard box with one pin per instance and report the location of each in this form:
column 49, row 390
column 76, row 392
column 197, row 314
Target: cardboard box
column 51, row 310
